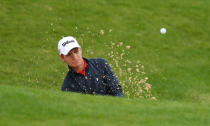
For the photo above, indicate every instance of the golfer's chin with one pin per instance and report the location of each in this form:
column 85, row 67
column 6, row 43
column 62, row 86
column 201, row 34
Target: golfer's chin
column 76, row 64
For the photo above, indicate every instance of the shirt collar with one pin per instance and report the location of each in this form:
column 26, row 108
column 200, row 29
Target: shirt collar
column 83, row 72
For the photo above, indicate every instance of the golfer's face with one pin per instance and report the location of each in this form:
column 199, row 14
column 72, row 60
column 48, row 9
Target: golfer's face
column 74, row 57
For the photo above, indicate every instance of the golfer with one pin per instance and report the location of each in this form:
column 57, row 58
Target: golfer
column 88, row 76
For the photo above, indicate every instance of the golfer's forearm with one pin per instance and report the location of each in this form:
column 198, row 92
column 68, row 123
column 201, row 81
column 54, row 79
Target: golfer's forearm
column 120, row 94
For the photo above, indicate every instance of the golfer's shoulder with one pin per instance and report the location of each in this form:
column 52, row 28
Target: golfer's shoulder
column 98, row 61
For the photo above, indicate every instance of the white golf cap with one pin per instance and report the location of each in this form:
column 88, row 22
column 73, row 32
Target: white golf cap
column 66, row 44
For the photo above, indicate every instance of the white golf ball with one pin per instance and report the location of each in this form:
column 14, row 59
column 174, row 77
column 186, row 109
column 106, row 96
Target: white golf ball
column 162, row 30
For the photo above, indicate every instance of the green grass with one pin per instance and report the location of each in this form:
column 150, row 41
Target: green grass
column 35, row 107
column 177, row 63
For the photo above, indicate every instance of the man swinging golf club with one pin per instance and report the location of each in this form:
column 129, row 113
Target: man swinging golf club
column 88, row 76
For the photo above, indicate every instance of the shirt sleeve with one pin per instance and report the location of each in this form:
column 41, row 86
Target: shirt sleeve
column 113, row 86
column 68, row 86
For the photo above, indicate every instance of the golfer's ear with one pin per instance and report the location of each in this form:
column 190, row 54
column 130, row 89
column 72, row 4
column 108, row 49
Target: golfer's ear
column 62, row 57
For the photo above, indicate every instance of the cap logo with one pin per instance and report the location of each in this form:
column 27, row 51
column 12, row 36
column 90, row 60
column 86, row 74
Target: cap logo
column 67, row 42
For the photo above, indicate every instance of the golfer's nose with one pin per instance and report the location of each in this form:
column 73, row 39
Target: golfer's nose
column 73, row 55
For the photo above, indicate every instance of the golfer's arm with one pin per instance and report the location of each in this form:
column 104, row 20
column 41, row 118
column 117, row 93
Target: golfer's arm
column 114, row 87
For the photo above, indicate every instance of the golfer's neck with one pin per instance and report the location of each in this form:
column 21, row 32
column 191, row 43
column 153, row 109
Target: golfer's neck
column 79, row 68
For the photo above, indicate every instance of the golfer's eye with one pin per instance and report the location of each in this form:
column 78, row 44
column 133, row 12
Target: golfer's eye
column 76, row 50
column 69, row 54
